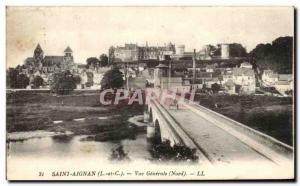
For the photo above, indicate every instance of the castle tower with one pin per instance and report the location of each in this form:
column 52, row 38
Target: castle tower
column 225, row 51
column 180, row 50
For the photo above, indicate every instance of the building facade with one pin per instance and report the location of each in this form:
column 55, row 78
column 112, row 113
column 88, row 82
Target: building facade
column 133, row 52
column 245, row 79
column 269, row 78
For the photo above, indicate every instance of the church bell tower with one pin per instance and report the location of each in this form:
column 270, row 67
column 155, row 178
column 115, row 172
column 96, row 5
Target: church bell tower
column 68, row 58
column 38, row 56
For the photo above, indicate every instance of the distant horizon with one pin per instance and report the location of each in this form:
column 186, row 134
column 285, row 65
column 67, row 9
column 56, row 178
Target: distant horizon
column 90, row 31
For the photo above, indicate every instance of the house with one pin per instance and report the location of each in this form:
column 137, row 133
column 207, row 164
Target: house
column 285, row 83
column 284, row 86
column 285, row 77
column 245, row 78
column 227, row 76
column 229, row 87
column 246, row 65
column 210, row 82
column 210, row 68
column 269, row 77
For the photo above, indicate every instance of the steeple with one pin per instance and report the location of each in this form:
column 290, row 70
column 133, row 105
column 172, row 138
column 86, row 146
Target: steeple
column 38, row 47
column 68, row 50
column 38, row 56
column 38, row 53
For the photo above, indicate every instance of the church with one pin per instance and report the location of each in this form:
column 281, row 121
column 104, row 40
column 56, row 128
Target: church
column 48, row 64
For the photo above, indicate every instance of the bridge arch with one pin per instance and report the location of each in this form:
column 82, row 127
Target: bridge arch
column 150, row 115
column 157, row 132
column 159, row 126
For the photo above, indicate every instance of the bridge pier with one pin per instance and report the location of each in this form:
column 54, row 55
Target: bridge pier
column 150, row 126
column 146, row 117
column 150, row 131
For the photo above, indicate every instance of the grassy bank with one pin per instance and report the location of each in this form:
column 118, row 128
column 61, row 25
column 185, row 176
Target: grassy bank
column 270, row 115
column 27, row 111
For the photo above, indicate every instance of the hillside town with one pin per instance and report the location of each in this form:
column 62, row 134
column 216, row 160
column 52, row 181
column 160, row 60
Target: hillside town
column 167, row 66
column 193, row 93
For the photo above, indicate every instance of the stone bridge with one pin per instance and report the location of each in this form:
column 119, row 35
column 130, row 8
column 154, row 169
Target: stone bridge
column 216, row 138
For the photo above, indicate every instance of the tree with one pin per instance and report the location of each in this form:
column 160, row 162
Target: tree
column 216, row 51
column 112, row 79
column 90, row 79
column 111, row 55
column 215, row 88
column 22, row 81
column 92, row 61
column 77, row 79
column 11, row 78
column 38, row 81
column 103, row 60
column 235, row 50
column 277, row 56
column 63, row 83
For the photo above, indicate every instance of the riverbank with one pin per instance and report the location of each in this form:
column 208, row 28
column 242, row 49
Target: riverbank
column 80, row 113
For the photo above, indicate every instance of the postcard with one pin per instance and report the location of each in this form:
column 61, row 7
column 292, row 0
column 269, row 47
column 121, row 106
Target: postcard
column 150, row 93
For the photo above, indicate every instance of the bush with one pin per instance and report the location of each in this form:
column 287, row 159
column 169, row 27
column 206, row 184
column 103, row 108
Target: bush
column 112, row 79
column 77, row 79
column 22, row 81
column 38, row 81
column 90, row 79
column 215, row 88
column 165, row 152
column 11, row 78
column 63, row 83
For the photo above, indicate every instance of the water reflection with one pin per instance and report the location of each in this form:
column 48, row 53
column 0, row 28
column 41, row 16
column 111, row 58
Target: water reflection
column 62, row 138
column 86, row 147
column 118, row 153
column 71, row 146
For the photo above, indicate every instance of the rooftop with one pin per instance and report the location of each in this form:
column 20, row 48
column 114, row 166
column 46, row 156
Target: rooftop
column 285, row 77
column 161, row 66
column 68, row 50
column 53, row 60
column 282, row 83
column 229, row 83
column 243, row 72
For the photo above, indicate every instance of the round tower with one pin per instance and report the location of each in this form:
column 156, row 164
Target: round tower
column 224, row 51
column 180, row 50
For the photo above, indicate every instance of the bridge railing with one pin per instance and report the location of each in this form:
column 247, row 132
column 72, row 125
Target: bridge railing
column 264, row 139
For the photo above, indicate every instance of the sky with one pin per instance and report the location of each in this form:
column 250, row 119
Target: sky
column 90, row 31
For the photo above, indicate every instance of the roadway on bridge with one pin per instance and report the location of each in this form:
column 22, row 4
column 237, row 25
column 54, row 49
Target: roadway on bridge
column 216, row 144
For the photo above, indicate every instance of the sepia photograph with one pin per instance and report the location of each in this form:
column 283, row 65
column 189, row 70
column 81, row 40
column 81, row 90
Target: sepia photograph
column 150, row 93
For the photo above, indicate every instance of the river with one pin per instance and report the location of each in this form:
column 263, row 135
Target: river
column 74, row 147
